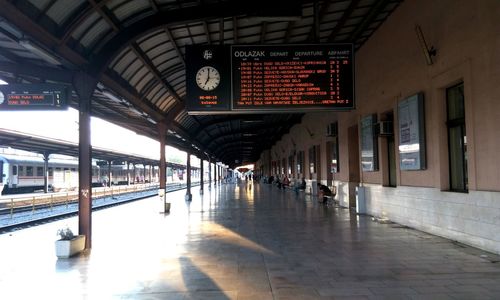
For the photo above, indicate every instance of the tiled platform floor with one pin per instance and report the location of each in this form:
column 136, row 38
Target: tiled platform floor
column 243, row 242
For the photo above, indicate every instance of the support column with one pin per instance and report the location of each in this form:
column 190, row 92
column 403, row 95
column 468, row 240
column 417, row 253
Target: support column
column 188, row 197
column 135, row 174
column 84, row 86
column 162, row 192
column 46, row 155
column 215, row 173
column 201, row 176
column 149, row 172
column 109, row 172
column 209, row 174
column 128, row 173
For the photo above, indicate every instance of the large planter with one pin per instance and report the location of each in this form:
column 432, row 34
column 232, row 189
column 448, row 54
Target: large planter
column 67, row 248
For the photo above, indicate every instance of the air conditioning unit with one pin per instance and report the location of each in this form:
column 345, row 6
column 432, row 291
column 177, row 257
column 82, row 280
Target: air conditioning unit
column 332, row 129
column 384, row 128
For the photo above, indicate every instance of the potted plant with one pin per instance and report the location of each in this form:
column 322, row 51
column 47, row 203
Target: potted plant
column 68, row 243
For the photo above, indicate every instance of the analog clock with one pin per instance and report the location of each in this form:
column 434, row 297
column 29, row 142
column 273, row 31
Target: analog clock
column 207, row 78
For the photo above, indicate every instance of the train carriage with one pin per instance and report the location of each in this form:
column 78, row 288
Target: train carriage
column 25, row 173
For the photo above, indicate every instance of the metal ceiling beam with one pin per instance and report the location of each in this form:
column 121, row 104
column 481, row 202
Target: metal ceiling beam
column 236, row 145
column 221, row 31
column 367, row 20
column 149, row 64
column 29, row 26
column 172, row 40
column 249, row 130
column 131, row 95
column 345, row 16
column 149, row 24
column 77, row 20
column 207, row 32
column 263, row 32
column 52, row 74
column 288, row 31
column 318, row 16
column 229, row 118
column 154, row 5
column 115, row 25
column 235, row 30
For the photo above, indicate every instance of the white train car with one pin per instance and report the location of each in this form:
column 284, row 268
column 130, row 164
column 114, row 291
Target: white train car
column 23, row 173
column 139, row 174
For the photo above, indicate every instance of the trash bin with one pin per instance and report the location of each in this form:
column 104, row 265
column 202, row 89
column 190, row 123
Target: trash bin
column 360, row 200
column 165, row 206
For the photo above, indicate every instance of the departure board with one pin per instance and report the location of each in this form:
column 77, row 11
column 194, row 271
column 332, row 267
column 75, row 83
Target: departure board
column 33, row 97
column 292, row 77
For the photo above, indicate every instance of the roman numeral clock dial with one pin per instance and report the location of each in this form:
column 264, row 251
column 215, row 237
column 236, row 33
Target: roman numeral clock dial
column 208, row 78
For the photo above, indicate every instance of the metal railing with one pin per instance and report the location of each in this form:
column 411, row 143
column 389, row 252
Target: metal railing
column 35, row 202
column 32, row 203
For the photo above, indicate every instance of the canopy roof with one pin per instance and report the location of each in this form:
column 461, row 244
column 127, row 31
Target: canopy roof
column 136, row 50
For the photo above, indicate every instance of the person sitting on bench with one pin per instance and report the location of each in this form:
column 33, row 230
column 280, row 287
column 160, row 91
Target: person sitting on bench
column 323, row 192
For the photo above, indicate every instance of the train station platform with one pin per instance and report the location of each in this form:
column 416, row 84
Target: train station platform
column 243, row 241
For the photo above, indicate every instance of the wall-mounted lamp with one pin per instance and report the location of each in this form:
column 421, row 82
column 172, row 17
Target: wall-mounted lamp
column 428, row 53
column 311, row 134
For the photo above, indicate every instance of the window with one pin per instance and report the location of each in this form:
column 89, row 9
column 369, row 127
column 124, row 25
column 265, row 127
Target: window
column 312, row 160
column 333, row 146
column 51, row 172
column 39, row 171
column 29, row 171
column 21, row 170
column 290, row 164
column 457, row 138
column 369, row 144
column 14, row 170
column 300, row 162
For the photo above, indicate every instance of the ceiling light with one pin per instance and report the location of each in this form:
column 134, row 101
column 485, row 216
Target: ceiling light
column 111, row 96
column 151, row 120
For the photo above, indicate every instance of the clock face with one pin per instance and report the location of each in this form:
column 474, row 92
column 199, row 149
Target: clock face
column 207, row 78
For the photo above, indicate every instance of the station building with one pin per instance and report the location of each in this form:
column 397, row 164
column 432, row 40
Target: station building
column 447, row 53
column 418, row 149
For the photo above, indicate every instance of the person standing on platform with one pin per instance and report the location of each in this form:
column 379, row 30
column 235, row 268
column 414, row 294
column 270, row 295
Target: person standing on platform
column 300, row 186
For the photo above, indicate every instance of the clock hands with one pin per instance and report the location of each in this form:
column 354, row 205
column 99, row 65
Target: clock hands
column 208, row 76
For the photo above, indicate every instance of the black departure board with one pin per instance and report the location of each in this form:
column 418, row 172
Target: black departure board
column 33, row 97
column 292, row 77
